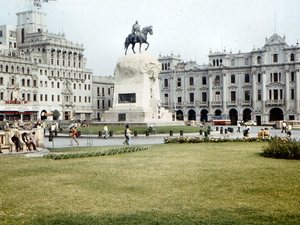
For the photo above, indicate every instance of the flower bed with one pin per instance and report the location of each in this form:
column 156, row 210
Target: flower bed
column 198, row 139
column 111, row 151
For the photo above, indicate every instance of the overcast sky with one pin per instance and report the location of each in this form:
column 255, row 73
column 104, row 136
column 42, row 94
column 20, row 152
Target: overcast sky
column 190, row 28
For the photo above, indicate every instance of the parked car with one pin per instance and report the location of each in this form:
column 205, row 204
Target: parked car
column 250, row 123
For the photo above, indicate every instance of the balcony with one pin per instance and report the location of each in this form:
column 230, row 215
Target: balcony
column 246, row 103
column 231, row 103
column 278, row 102
column 216, row 103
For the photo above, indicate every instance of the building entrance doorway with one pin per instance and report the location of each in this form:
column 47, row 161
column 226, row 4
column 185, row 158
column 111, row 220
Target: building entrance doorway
column 276, row 114
column 233, row 116
column 203, row 117
column 247, row 115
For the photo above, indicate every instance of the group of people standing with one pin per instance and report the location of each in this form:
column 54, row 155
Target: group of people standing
column 28, row 139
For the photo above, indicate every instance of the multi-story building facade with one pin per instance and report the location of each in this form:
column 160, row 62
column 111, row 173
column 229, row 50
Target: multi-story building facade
column 41, row 72
column 262, row 85
column 103, row 92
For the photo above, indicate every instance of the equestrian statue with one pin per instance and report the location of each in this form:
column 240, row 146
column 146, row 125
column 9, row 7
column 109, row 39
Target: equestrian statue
column 138, row 36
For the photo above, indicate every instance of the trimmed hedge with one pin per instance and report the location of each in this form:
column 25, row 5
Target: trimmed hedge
column 282, row 148
column 111, row 151
column 198, row 139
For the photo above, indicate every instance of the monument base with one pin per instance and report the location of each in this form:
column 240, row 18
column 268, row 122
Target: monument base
column 136, row 116
column 136, row 92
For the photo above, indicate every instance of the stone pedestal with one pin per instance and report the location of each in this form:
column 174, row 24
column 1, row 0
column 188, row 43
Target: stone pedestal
column 136, row 92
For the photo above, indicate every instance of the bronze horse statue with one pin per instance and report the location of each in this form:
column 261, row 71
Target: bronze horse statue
column 140, row 38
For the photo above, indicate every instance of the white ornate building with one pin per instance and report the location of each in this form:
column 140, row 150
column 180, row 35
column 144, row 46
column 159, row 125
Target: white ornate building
column 262, row 85
column 41, row 72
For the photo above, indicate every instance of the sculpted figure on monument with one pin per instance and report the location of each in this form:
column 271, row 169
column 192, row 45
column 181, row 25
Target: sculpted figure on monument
column 138, row 36
column 136, row 29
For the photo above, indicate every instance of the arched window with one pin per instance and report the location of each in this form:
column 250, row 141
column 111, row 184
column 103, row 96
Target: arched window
column 292, row 57
column 178, row 82
column 191, row 81
column 12, row 69
column 258, row 59
column 204, row 81
column 232, row 79
column 6, row 68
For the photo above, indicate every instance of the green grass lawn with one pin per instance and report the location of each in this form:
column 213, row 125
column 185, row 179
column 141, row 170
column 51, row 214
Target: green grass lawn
column 215, row 183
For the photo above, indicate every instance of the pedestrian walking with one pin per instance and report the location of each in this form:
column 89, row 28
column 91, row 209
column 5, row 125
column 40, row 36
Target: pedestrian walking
column 127, row 135
column 74, row 134
column 283, row 127
column 239, row 127
column 105, row 129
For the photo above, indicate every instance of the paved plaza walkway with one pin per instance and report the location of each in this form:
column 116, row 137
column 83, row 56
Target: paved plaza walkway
column 64, row 141
column 117, row 140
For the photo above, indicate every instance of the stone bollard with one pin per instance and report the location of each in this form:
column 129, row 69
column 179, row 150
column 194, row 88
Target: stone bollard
column 217, row 128
column 221, row 130
column 225, row 131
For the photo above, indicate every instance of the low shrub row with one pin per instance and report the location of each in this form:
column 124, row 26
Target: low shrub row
column 199, row 139
column 111, row 151
column 282, row 148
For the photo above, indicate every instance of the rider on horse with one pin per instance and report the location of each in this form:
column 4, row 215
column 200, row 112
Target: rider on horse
column 136, row 29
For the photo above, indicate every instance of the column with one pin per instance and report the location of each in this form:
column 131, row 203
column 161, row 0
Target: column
column 287, row 91
column 297, row 90
column 264, row 97
column 224, row 93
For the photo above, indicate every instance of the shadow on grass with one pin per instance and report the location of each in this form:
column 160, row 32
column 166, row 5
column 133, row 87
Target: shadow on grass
column 214, row 217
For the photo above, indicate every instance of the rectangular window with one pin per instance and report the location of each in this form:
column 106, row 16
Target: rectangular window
column 74, row 98
column 28, row 97
column 58, row 98
column 247, row 95
column 52, row 98
column 293, row 76
column 218, row 96
column 191, row 97
column 204, row 81
column 1, row 95
column 292, row 94
column 233, row 96
column 275, row 92
column 275, row 58
column 259, row 78
column 259, row 95
column 179, row 99
column 275, row 77
column 166, row 83
column 204, row 97
column 34, row 98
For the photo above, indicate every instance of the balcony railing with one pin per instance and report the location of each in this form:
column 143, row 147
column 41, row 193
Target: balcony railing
column 216, row 103
column 275, row 102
